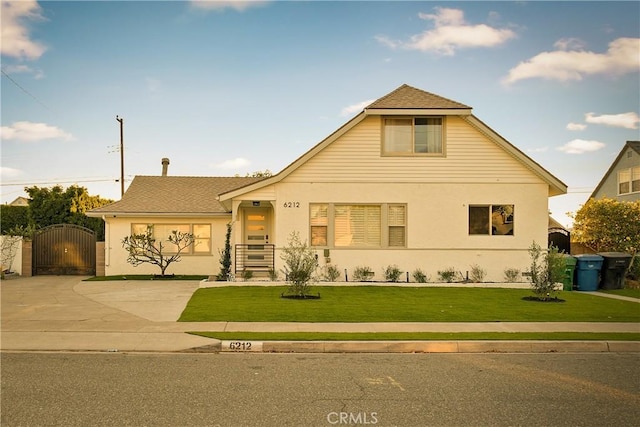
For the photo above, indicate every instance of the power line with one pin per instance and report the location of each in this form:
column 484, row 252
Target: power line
column 11, row 184
column 25, row 91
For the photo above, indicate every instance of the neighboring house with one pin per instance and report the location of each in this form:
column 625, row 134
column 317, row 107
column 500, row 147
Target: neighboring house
column 414, row 180
column 20, row 201
column 622, row 181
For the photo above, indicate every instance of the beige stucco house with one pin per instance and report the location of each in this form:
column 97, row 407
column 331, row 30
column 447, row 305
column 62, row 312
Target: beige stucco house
column 622, row 179
column 414, row 180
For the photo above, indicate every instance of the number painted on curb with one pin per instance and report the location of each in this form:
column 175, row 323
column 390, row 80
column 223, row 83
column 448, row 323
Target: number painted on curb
column 241, row 346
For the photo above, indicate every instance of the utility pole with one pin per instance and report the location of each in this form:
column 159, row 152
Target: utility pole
column 121, row 120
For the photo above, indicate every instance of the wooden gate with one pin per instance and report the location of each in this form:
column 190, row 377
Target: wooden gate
column 64, row 249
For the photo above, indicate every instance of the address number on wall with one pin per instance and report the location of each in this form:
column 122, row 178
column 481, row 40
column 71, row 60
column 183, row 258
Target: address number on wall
column 291, row 204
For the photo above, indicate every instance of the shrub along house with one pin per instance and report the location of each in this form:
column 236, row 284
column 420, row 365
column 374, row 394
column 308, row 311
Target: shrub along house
column 414, row 180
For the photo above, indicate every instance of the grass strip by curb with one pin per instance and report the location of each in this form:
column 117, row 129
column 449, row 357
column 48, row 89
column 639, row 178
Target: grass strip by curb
column 420, row 336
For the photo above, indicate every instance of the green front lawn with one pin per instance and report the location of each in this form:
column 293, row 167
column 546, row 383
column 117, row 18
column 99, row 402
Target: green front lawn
column 379, row 303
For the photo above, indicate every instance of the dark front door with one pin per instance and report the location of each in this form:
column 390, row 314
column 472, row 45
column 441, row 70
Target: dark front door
column 64, row 249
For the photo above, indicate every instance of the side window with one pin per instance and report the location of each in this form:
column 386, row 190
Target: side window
column 496, row 220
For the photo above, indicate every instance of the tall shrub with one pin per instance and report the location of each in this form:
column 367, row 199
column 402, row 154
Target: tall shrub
column 300, row 265
column 225, row 257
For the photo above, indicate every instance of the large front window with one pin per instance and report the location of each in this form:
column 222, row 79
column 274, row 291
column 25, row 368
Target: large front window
column 161, row 232
column 413, row 135
column 358, row 225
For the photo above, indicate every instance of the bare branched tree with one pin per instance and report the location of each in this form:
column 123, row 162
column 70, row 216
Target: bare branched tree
column 146, row 249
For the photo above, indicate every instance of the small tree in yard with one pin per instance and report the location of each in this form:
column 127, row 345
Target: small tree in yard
column 300, row 264
column 547, row 269
column 146, row 249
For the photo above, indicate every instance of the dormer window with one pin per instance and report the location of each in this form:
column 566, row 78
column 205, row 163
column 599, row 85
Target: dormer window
column 412, row 136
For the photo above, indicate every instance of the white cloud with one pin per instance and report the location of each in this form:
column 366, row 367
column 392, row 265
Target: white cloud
column 624, row 120
column 24, row 69
column 15, row 33
column 10, row 172
column 30, row 132
column 622, row 57
column 237, row 5
column 232, row 164
column 580, row 146
column 576, row 126
column 355, row 108
column 450, row 33
column 569, row 44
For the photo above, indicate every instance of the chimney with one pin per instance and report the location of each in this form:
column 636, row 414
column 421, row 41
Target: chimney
column 165, row 166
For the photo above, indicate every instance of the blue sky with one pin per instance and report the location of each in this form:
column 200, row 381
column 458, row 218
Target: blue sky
column 224, row 88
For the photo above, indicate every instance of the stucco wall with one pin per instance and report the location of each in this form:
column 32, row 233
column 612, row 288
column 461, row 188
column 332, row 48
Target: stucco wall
column 116, row 256
column 437, row 224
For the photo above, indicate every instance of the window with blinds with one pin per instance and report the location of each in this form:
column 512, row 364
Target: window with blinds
column 358, row 226
column 397, row 225
column 319, row 221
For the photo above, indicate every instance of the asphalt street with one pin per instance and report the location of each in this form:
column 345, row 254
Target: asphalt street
column 120, row 389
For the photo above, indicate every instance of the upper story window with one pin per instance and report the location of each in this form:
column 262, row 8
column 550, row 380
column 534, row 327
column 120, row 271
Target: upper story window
column 412, row 136
column 629, row 180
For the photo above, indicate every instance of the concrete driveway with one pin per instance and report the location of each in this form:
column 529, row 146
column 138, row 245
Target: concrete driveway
column 65, row 313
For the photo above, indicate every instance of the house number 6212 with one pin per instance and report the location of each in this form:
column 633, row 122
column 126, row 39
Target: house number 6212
column 291, row 204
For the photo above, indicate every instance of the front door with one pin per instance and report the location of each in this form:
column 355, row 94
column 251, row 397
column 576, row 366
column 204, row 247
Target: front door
column 257, row 252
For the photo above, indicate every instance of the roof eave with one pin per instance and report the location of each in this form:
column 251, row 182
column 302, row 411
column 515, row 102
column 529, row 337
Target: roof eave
column 115, row 214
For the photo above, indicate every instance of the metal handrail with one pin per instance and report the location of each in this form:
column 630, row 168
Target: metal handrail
column 252, row 257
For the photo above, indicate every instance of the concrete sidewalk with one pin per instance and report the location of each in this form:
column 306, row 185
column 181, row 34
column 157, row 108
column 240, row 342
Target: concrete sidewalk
column 63, row 313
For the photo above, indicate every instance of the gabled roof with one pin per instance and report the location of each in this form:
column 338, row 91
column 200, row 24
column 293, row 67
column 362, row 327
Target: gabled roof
column 634, row 145
column 173, row 196
column 408, row 97
column 409, row 100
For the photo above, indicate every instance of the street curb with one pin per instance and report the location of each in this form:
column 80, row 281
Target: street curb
column 422, row 347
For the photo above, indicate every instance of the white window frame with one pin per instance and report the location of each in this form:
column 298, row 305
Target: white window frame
column 413, row 152
column 633, row 180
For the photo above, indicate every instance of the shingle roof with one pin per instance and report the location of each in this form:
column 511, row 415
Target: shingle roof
column 635, row 145
column 174, row 194
column 407, row 97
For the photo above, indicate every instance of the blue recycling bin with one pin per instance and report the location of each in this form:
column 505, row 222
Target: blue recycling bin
column 588, row 272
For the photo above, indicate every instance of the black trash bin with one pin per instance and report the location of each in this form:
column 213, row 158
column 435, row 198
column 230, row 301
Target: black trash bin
column 614, row 266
